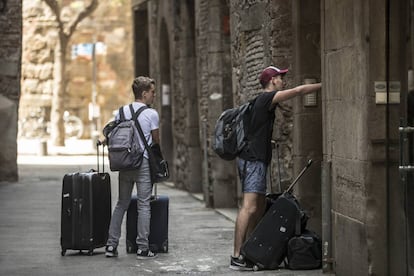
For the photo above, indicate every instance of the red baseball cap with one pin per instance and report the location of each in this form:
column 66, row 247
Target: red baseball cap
column 269, row 72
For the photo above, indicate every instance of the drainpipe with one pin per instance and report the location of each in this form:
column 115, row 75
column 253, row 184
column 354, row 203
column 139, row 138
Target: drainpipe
column 405, row 168
column 327, row 260
column 207, row 185
column 326, row 172
column 387, row 131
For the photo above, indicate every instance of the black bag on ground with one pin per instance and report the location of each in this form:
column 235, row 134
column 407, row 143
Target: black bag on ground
column 304, row 251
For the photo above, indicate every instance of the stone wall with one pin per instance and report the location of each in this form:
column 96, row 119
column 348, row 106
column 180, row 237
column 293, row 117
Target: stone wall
column 172, row 60
column 202, row 39
column 361, row 135
column 344, row 46
column 114, row 63
column 39, row 40
column 10, row 58
column 229, row 43
column 187, row 121
column 262, row 35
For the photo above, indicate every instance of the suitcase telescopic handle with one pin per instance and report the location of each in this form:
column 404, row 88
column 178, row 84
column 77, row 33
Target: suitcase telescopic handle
column 155, row 190
column 99, row 143
column 289, row 189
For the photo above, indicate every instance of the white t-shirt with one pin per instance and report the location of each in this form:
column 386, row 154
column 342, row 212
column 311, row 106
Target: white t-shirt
column 148, row 120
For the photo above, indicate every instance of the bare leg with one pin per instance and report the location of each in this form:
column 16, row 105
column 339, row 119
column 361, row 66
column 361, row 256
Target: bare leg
column 261, row 206
column 251, row 211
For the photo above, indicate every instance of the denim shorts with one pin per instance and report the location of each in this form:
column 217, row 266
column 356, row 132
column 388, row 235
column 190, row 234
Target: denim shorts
column 252, row 176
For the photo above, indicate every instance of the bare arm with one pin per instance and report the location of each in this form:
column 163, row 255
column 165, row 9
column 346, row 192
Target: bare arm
column 287, row 94
column 155, row 136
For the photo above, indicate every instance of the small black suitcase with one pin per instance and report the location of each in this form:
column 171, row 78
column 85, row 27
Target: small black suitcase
column 86, row 210
column 158, row 237
column 267, row 245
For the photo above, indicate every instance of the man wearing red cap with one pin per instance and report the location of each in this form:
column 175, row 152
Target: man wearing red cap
column 255, row 157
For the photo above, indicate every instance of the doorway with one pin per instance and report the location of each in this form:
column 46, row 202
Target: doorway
column 406, row 127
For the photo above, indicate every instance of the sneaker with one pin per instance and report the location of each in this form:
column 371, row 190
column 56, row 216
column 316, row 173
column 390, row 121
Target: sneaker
column 147, row 254
column 110, row 251
column 240, row 263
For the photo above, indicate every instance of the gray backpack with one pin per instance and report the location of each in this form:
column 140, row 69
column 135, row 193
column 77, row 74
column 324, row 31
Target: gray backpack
column 124, row 150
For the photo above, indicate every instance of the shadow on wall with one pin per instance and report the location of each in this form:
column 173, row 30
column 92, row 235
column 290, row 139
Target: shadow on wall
column 8, row 153
column 3, row 5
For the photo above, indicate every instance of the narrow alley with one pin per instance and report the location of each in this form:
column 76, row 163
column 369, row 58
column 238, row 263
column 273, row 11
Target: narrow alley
column 200, row 239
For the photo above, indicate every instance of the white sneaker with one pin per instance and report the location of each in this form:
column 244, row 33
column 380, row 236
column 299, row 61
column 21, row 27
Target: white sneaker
column 147, row 254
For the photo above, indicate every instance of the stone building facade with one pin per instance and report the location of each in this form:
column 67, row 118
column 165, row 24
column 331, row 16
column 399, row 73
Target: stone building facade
column 366, row 62
column 200, row 70
column 206, row 56
column 10, row 60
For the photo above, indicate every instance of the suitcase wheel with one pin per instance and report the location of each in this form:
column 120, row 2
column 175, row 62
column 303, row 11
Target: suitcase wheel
column 63, row 252
column 90, row 252
column 255, row 268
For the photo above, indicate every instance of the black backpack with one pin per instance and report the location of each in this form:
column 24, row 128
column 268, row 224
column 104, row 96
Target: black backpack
column 230, row 132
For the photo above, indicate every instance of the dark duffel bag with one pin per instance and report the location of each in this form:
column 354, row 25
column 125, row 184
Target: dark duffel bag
column 305, row 251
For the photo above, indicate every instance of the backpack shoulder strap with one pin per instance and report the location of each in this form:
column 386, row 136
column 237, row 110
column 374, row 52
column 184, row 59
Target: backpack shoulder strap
column 138, row 112
column 121, row 113
column 135, row 117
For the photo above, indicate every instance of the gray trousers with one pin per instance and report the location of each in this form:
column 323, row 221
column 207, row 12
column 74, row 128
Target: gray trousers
column 127, row 179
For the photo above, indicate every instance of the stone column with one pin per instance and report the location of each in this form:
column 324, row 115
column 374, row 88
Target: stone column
column 215, row 95
column 10, row 64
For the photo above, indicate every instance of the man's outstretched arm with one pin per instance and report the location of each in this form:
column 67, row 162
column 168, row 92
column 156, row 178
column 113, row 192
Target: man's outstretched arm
column 287, row 94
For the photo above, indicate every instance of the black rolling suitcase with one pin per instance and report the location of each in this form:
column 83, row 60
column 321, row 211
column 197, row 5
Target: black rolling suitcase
column 86, row 210
column 267, row 245
column 158, row 237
